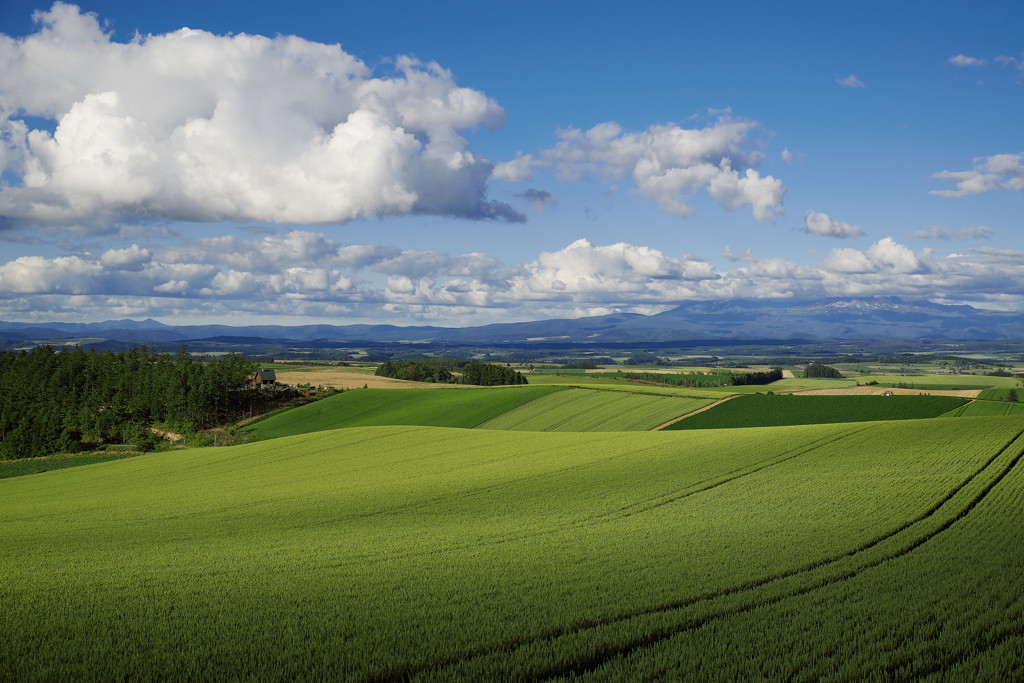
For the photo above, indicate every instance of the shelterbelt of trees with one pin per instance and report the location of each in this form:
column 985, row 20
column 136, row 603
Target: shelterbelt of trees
column 711, row 379
column 440, row 370
column 62, row 401
column 819, row 370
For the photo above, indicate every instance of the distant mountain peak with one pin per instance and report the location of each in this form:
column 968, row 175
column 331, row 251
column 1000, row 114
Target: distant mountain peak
column 867, row 317
column 129, row 324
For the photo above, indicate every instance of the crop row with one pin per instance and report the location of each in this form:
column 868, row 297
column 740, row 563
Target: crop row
column 591, row 646
column 447, row 407
column 946, row 605
column 1000, row 393
column 586, row 410
column 764, row 410
column 986, row 409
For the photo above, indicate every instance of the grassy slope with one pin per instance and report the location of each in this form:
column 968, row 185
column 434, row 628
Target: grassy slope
column 374, row 407
column 18, row 468
column 389, row 552
column 764, row 411
column 1000, row 393
column 586, row 410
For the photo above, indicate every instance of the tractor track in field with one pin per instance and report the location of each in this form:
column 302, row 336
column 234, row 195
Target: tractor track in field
column 754, row 468
column 694, row 412
column 601, row 658
column 992, row 641
column 615, row 515
column 606, row 654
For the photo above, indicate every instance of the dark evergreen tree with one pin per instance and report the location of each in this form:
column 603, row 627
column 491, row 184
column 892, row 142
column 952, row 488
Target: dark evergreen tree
column 824, row 371
column 488, row 375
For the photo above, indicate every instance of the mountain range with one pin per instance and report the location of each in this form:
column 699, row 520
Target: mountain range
column 871, row 318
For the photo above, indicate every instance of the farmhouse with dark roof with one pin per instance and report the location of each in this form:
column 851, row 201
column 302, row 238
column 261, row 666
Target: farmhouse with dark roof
column 265, row 377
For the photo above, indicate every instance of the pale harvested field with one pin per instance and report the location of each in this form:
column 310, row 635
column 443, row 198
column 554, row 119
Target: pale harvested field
column 673, row 371
column 878, row 391
column 345, row 378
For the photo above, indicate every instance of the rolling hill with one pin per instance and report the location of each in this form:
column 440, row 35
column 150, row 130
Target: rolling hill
column 886, row 550
column 374, row 407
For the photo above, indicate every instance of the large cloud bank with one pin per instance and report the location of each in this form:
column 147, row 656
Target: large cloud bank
column 304, row 273
column 194, row 126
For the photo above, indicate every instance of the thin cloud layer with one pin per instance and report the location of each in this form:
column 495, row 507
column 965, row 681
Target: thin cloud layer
column 194, row 126
column 964, row 60
column 938, row 232
column 998, row 172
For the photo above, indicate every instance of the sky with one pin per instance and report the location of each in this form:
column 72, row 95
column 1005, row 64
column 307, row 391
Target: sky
column 459, row 164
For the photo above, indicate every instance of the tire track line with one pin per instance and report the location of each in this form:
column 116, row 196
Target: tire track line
column 605, row 518
column 607, row 654
column 992, row 641
column 694, row 412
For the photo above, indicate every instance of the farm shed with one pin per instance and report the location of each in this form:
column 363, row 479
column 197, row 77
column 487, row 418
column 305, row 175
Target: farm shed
column 265, row 377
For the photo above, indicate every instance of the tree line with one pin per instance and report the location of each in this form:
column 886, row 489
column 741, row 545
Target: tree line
column 440, row 370
column 64, row 401
column 715, row 379
column 822, row 371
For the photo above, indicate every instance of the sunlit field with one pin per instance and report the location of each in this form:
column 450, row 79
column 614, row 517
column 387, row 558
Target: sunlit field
column 425, row 553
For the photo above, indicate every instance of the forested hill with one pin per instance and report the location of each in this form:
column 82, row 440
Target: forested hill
column 59, row 401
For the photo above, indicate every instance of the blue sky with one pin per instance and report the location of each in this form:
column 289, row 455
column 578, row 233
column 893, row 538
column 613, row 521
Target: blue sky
column 664, row 154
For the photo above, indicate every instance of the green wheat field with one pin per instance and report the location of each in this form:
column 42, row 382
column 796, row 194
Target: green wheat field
column 538, row 546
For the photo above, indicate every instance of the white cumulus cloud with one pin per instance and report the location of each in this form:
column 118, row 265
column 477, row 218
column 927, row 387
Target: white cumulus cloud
column 818, row 223
column 518, row 170
column 131, row 258
column 195, row 126
column 670, row 163
column 885, row 256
